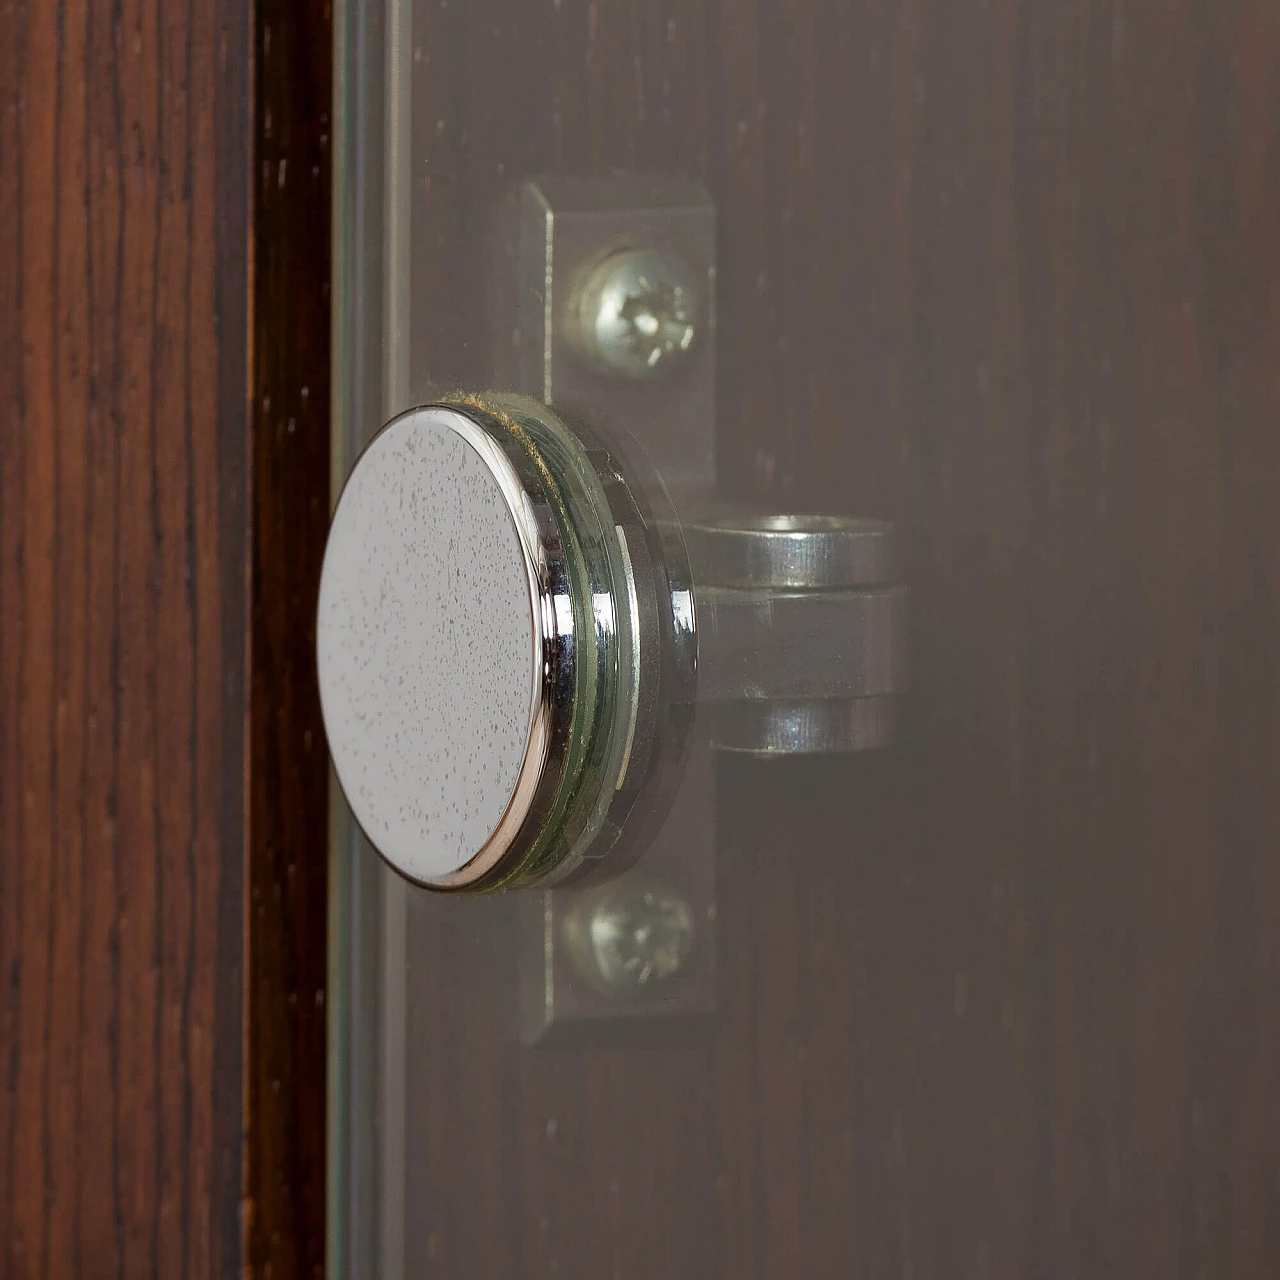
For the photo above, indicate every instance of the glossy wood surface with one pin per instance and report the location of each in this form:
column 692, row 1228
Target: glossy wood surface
column 164, row 373
column 124, row 148
column 1007, row 1001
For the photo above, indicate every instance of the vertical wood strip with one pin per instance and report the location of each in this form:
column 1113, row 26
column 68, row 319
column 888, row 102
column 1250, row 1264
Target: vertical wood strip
column 287, row 777
column 123, row 153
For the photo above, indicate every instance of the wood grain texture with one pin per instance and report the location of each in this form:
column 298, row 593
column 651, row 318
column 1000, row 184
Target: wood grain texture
column 288, row 769
column 124, row 150
column 1006, row 1002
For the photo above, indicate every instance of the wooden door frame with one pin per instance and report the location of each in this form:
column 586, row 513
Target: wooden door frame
column 164, row 401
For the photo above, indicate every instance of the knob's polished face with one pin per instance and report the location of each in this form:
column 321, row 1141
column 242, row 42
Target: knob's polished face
column 499, row 645
column 429, row 645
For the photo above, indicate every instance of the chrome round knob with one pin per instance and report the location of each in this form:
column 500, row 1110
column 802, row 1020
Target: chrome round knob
column 503, row 660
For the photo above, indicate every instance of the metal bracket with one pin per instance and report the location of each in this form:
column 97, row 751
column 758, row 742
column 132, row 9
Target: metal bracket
column 558, row 238
column 604, row 294
column 555, row 235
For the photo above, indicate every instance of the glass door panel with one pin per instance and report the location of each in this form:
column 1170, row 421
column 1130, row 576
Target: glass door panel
column 843, row 904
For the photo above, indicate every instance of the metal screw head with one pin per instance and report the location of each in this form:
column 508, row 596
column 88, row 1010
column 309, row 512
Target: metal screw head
column 636, row 315
column 631, row 938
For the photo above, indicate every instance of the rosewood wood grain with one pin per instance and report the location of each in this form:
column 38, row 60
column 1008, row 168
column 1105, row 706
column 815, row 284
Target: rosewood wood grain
column 124, row 150
column 163, row 470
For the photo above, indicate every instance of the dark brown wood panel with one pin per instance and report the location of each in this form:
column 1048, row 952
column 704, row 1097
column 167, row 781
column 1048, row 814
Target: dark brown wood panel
column 1007, row 1001
column 288, row 768
column 124, row 147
